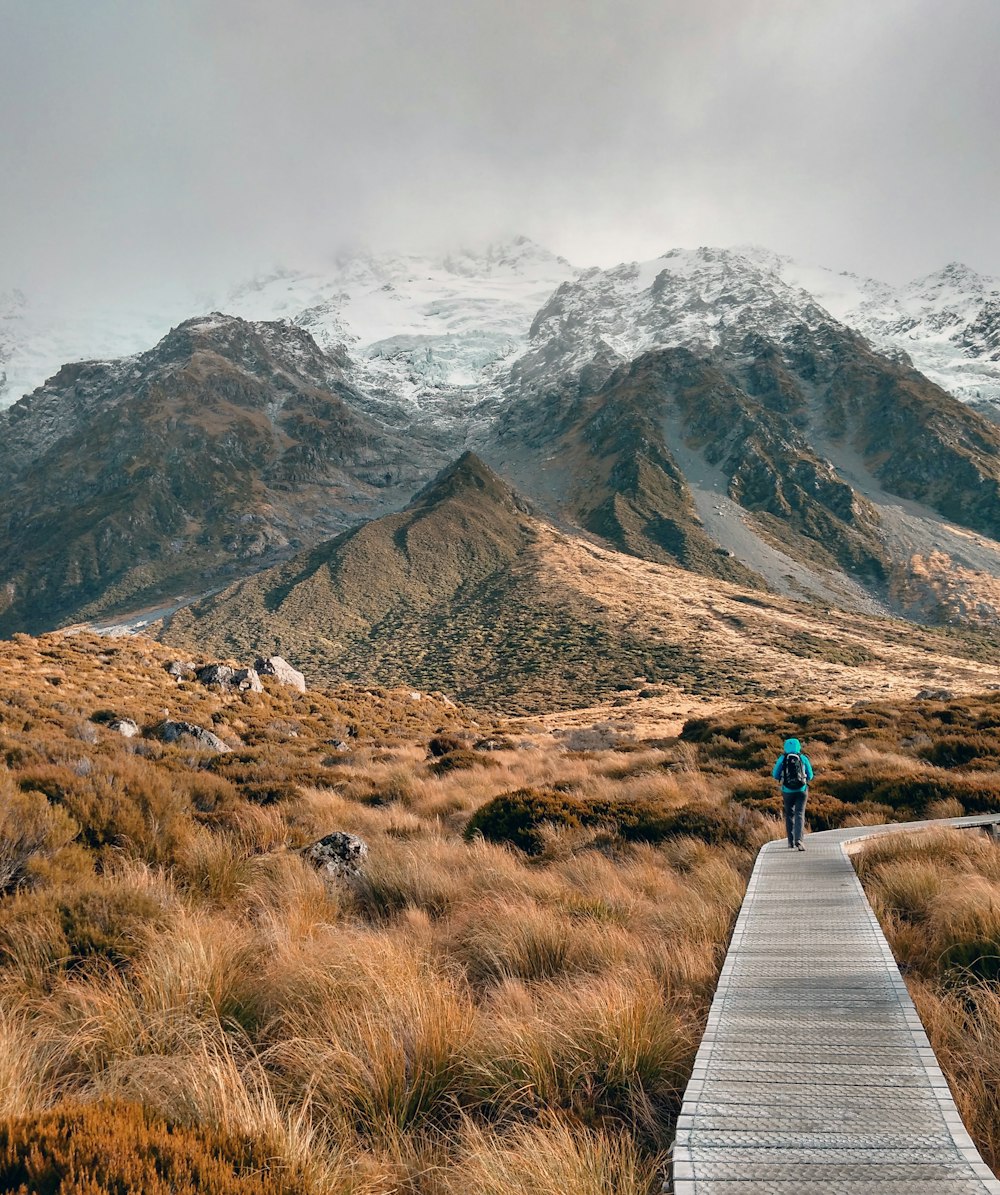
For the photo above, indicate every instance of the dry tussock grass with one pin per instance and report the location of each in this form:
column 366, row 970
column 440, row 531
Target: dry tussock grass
column 462, row 1017
column 937, row 894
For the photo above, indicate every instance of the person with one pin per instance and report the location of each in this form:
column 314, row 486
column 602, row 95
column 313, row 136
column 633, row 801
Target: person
column 794, row 771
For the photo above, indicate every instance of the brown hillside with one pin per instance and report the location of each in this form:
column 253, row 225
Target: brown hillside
column 467, row 592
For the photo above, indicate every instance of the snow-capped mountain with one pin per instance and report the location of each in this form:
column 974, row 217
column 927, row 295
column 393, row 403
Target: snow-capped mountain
column 688, row 297
column 707, row 407
column 947, row 323
column 420, row 328
column 440, row 335
column 37, row 339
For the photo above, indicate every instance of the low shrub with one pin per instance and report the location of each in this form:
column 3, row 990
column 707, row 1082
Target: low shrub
column 31, row 831
column 458, row 761
column 444, row 744
column 714, row 824
column 118, row 803
column 518, row 819
column 954, row 751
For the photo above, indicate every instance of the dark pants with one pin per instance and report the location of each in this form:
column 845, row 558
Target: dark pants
column 795, row 812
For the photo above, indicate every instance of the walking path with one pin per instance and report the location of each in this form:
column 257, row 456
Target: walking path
column 814, row 1074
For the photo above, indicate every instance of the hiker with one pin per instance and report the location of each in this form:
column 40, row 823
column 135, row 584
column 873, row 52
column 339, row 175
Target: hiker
column 794, row 771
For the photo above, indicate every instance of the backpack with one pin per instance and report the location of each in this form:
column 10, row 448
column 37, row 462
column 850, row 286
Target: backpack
column 793, row 772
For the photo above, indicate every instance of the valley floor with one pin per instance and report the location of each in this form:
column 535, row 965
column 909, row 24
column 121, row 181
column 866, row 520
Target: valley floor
column 506, row 999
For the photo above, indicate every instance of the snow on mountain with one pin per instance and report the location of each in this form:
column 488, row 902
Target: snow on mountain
column 36, row 340
column 438, row 335
column 420, row 328
column 947, row 323
column 687, row 297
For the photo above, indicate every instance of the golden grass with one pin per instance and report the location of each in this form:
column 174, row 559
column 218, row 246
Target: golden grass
column 461, row 1017
column 550, row 1159
column 937, row 894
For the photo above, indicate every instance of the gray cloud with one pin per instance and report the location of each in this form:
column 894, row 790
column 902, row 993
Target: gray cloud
column 148, row 147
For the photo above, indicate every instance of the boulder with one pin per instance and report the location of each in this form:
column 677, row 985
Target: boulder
column 339, row 855
column 282, row 671
column 935, row 695
column 247, row 680
column 180, row 669
column 495, row 743
column 217, row 674
column 125, row 727
column 172, row 732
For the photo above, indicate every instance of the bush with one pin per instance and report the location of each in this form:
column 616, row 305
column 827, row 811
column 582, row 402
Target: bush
column 517, row 818
column 118, row 1149
column 457, row 761
column 122, row 803
column 444, row 744
column 107, row 921
column 953, row 751
column 31, row 831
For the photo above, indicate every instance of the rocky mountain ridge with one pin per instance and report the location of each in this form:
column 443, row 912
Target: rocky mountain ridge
column 440, row 333
column 227, row 446
column 698, row 409
column 471, row 591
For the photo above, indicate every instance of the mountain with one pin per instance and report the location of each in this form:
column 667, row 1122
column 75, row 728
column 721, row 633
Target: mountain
column 946, row 324
column 699, row 409
column 424, row 332
column 434, row 333
column 227, row 446
column 703, row 298
column 39, row 334
column 705, row 408
column 438, row 332
column 469, row 591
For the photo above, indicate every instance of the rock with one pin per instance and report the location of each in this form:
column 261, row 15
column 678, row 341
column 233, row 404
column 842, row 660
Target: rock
column 172, row 732
column 247, row 680
column 935, row 695
column 217, row 674
column 498, row 743
column 415, row 695
column 282, row 671
column 339, row 855
column 124, row 726
column 180, row 670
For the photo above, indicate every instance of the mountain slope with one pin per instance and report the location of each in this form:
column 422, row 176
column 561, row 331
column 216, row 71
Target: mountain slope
column 431, row 332
column 452, row 592
column 801, row 454
column 702, row 409
column 947, row 324
column 225, row 447
column 469, row 592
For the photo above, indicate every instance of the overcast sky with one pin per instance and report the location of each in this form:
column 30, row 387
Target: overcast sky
column 149, row 144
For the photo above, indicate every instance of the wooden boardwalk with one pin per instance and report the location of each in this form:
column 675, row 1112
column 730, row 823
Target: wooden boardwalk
column 814, row 1076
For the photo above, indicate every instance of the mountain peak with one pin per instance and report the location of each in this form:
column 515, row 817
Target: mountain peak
column 468, row 477
column 955, row 278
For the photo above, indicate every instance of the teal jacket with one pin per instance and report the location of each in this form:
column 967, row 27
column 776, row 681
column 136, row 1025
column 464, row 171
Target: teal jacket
column 792, row 747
